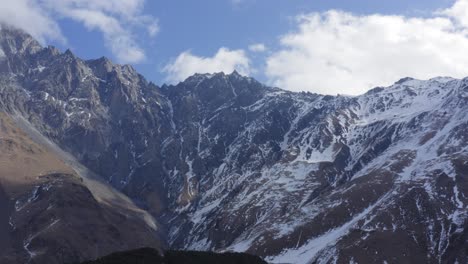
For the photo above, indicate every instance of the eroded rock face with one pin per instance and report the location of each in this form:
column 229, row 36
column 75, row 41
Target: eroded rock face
column 227, row 163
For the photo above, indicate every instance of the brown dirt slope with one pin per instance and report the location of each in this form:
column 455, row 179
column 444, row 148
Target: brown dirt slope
column 50, row 215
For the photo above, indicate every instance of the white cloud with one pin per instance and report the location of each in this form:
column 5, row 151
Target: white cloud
column 225, row 60
column 258, row 47
column 117, row 20
column 118, row 39
column 338, row 52
column 236, row 2
column 153, row 28
column 30, row 16
column 459, row 12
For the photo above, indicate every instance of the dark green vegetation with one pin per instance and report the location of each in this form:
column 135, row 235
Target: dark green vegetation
column 151, row 256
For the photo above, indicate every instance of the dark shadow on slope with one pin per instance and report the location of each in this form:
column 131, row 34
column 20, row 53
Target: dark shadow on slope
column 4, row 219
column 151, row 256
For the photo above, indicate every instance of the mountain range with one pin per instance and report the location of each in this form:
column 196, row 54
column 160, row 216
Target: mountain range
column 95, row 159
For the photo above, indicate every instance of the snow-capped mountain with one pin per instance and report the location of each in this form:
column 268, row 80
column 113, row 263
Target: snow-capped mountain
column 303, row 177
column 225, row 163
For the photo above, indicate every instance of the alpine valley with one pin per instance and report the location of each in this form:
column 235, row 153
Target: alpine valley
column 94, row 159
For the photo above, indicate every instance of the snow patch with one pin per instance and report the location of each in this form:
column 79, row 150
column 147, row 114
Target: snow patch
column 307, row 252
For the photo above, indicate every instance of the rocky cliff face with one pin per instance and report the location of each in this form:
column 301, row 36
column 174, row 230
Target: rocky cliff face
column 226, row 163
column 54, row 209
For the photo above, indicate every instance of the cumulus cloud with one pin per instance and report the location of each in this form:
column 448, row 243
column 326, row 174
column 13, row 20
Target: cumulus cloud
column 459, row 12
column 225, row 60
column 258, row 47
column 339, row 52
column 117, row 20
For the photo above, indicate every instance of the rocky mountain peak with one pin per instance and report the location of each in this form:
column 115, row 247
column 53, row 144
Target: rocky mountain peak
column 403, row 80
column 236, row 73
column 52, row 50
column 219, row 81
column 208, row 92
column 16, row 41
column 68, row 53
column 200, row 77
column 101, row 67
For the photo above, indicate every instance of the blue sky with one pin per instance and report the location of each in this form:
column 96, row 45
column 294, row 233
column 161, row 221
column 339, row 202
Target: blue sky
column 199, row 29
column 204, row 26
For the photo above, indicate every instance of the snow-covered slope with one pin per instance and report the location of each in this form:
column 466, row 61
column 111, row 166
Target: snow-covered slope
column 308, row 176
